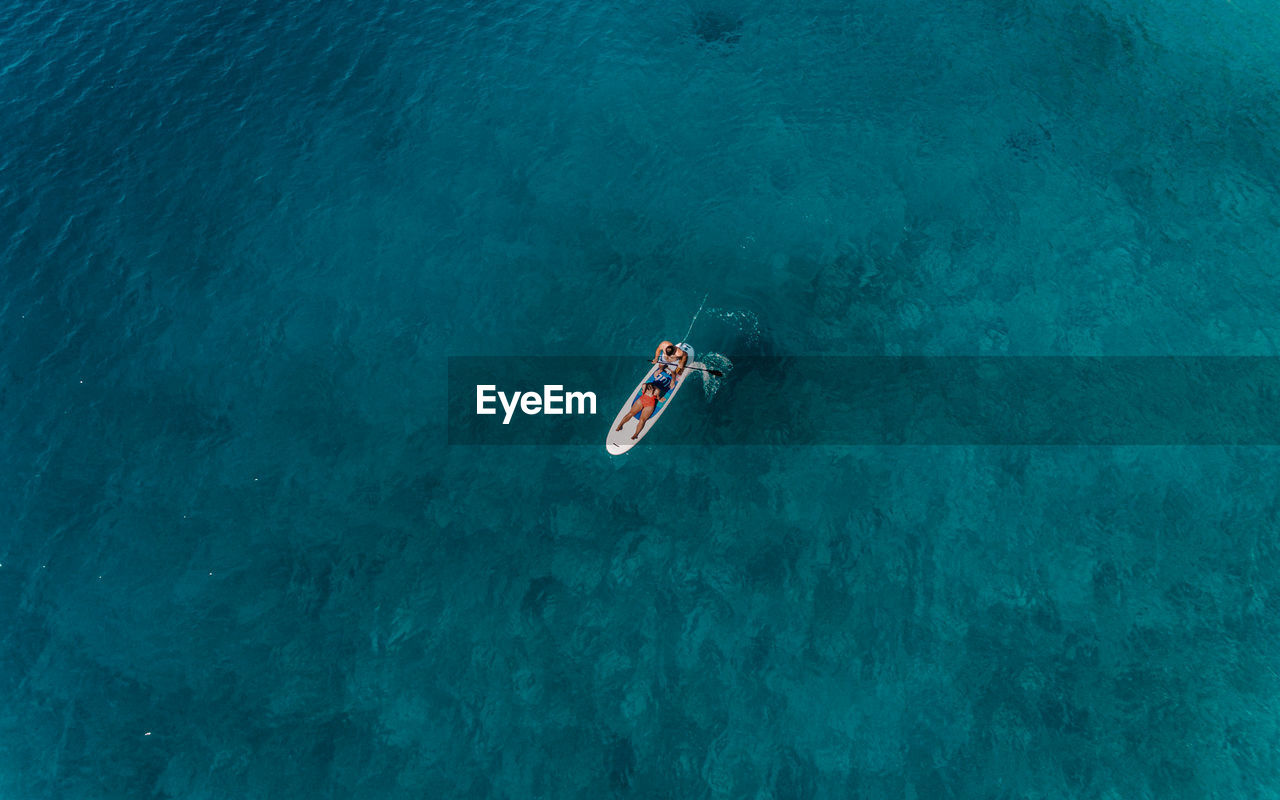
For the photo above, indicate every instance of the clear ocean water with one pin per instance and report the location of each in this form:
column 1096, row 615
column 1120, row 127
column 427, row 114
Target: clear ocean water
column 239, row 240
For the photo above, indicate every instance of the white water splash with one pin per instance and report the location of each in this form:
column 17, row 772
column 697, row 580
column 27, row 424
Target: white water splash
column 711, row 383
column 745, row 322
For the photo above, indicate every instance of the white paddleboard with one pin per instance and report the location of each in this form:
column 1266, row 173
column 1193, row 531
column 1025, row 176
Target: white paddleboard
column 619, row 442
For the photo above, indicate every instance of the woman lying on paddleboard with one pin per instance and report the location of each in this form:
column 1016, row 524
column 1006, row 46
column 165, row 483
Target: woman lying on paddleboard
column 643, row 406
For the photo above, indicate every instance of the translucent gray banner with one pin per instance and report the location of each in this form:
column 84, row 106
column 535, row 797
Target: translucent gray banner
column 830, row 400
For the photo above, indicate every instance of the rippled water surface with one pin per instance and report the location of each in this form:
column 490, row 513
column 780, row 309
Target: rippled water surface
column 238, row 241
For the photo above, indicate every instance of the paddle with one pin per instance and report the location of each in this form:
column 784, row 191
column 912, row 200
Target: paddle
column 717, row 373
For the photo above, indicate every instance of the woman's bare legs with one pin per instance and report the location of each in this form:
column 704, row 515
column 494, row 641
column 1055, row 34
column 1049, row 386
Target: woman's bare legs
column 635, row 409
column 644, row 417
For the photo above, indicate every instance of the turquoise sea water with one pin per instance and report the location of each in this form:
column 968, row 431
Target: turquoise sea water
column 238, row 242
